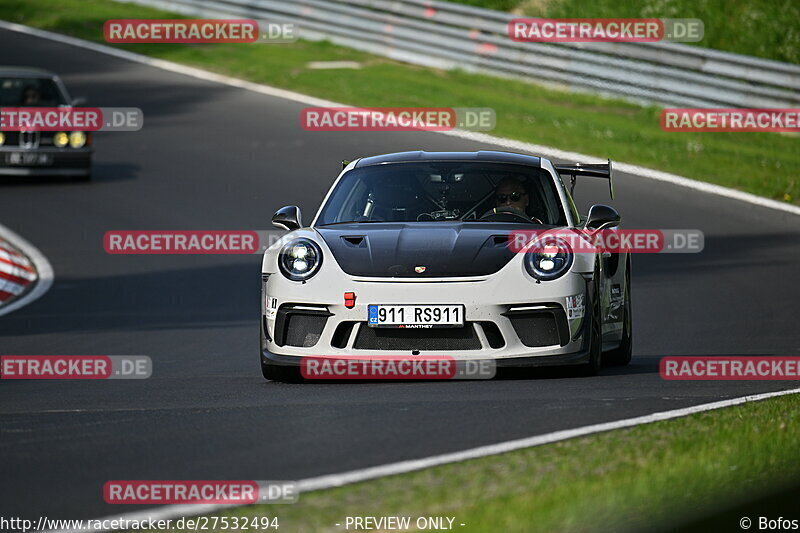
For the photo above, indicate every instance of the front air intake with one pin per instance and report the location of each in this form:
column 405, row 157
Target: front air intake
column 538, row 326
column 410, row 339
column 300, row 325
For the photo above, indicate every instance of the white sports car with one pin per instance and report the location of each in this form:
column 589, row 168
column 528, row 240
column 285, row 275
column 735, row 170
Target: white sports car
column 409, row 256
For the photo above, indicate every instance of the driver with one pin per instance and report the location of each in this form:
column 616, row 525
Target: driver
column 511, row 193
column 510, row 201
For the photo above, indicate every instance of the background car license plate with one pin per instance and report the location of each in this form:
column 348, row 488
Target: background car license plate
column 26, row 158
column 394, row 316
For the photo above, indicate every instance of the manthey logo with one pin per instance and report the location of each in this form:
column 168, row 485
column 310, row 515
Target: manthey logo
column 420, row 269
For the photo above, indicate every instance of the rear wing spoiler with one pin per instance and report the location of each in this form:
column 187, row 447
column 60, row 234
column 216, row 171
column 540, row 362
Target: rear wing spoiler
column 601, row 170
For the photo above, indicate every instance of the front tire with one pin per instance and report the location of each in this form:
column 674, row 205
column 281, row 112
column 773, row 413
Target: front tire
column 595, row 331
column 621, row 356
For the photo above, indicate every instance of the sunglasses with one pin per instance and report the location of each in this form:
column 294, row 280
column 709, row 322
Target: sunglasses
column 514, row 197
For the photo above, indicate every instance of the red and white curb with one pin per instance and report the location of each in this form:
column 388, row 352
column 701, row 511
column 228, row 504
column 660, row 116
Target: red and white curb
column 25, row 273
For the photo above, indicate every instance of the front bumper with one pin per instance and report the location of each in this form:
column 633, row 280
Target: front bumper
column 576, row 358
column 514, row 322
column 62, row 162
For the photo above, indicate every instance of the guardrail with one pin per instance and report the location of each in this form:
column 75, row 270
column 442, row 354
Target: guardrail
column 449, row 36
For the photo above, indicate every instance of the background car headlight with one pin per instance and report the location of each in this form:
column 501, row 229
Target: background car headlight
column 548, row 259
column 2, row 138
column 60, row 139
column 77, row 139
column 300, row 259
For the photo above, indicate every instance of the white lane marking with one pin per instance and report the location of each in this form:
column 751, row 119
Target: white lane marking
column 521, row 146
column 355, row 476
column 403, row 467
column 323, row 65
column 40, row 262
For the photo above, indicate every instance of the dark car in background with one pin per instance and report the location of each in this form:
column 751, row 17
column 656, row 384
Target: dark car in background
column 41, row 153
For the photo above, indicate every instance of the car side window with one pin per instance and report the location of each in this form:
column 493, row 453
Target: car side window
column 544, row 200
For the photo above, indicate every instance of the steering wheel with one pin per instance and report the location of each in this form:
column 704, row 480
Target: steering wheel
column 508, row 211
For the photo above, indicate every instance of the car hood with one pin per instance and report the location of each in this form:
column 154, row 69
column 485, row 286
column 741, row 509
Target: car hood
column 444, row 249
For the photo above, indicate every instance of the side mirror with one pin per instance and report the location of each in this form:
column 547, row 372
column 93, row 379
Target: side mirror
column 78, row 101
column 287, row 217
column 601, row 217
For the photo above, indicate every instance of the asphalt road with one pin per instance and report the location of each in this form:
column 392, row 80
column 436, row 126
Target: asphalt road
column 216, row 157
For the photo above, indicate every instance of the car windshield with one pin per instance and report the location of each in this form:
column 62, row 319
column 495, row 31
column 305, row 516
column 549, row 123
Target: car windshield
column 30, row 92
column 441, row 191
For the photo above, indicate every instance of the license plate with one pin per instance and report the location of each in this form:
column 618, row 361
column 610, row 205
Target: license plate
column 26, row 158
column 415, row 316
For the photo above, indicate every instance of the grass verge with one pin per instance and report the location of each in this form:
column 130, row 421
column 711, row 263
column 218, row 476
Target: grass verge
column 761, row 163
column 646, row 478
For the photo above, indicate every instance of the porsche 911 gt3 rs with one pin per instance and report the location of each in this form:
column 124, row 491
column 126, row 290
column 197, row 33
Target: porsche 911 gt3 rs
column 409, row 256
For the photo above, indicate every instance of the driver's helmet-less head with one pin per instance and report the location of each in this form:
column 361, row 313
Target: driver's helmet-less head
column 511, row 193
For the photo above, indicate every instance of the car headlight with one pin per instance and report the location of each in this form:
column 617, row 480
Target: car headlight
column 548, row 259
column 300, row 259
column 2, row 138
column 60, row 139
column 77, row 139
